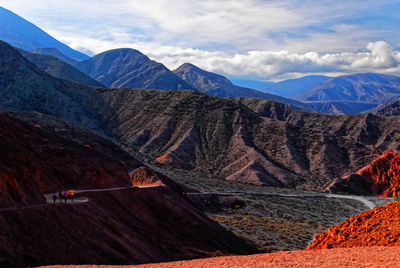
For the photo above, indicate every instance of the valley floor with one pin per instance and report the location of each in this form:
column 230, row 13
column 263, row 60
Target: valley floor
column 338, row 257
column 274, row 219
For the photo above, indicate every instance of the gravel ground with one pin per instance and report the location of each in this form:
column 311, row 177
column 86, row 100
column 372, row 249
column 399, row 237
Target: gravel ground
column 340, row 257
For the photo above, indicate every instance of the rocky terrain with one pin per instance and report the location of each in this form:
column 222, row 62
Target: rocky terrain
column 130, row 69
column 373, row 257
column 380, row 177
column 218, row 85
column 377, row 227
column 392, row 109
column 121, row 225
column 246, row 140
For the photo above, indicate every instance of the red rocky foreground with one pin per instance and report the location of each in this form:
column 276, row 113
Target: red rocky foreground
column 377, row 227
column 338, row 257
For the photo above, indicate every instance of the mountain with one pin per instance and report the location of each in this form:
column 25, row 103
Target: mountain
column 392, row 109
column 218, row 85
column 23, row 34
column 55, row 53
column 111, row 223
column 59, row 68
column 342, row 107
column 246, row 140
column 377, row 227
column 255, row 84
column 131, row 69
column 293, row 87
column 366, row 87
column 24, row 87
column 380, row 177
column 364, row 90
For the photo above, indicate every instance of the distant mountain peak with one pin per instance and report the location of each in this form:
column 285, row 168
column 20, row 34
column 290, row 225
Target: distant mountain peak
column 218, row 85
column 127, row 67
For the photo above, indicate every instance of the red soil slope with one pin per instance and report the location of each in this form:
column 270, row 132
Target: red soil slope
column 373, row 257
column 129, row 226
column 34, row 160
column 377, row 227
column 384, row 174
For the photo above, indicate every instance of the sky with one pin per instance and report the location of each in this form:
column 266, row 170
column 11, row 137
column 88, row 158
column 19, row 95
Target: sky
column 252, row 39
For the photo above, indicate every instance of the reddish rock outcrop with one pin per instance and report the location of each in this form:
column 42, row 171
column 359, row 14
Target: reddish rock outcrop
column 381, row 177
column 384, row 174
column 143, row 176
column 377, row 227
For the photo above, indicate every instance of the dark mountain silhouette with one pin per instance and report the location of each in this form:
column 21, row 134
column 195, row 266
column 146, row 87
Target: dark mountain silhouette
column 51, row 51
column 218, row 85
column 24, row 87
column 126, row 226
column 291, row 88
column 23, row 34
column 131, row 69
column 59, row 68
column 356, row 93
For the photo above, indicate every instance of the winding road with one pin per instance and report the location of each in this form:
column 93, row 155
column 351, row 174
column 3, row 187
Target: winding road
column 369, row 204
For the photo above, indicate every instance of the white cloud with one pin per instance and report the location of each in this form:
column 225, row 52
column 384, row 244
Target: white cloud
column 379, row 57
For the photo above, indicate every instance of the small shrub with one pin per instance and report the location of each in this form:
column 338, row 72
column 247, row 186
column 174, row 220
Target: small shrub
column 236, row 234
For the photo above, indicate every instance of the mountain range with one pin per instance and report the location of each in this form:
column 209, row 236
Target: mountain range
column 244, row 140
column 355, row 93
column 59, row 68
column 292, row 88
column 131, row 69
column 349, row 94
column 218, row 85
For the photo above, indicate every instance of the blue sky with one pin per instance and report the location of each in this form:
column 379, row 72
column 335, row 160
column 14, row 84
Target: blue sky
column 241, row 38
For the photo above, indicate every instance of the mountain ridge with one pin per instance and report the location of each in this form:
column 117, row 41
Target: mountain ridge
column 130, row 68
column 218, row 85
column 24, row 34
